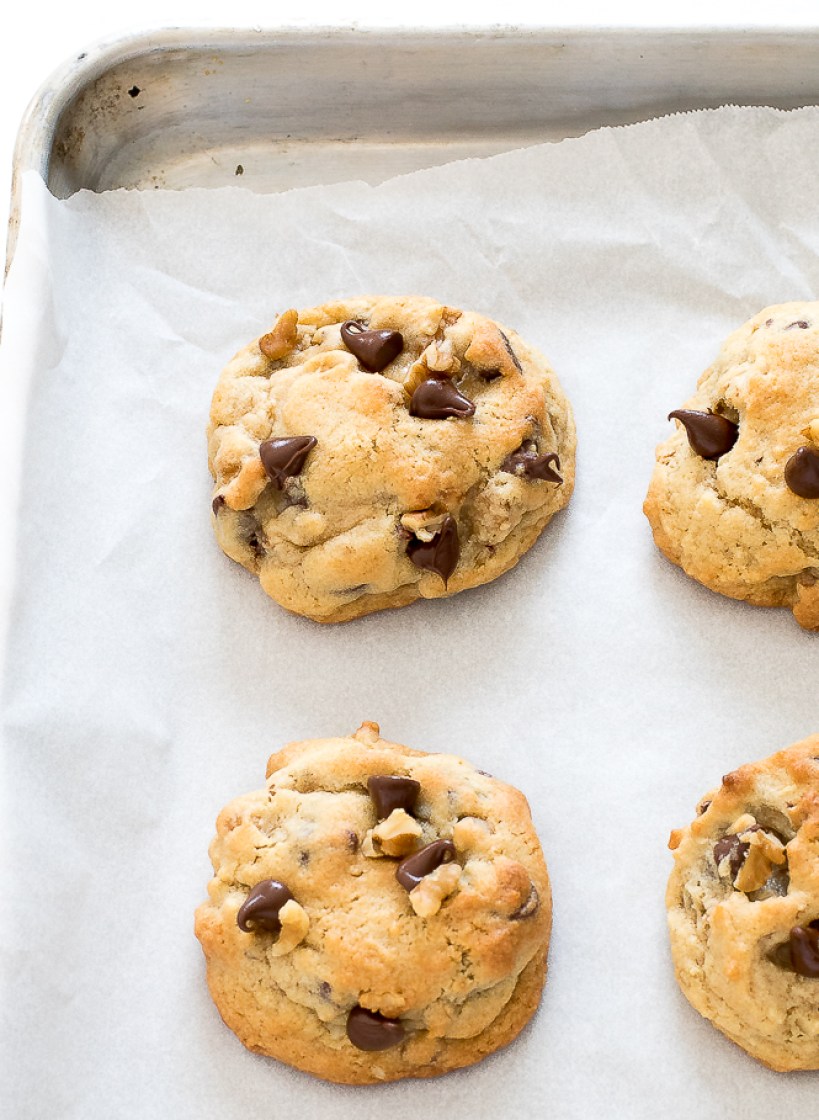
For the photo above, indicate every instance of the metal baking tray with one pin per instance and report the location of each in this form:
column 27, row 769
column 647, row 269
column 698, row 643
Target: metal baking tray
column 274, row 109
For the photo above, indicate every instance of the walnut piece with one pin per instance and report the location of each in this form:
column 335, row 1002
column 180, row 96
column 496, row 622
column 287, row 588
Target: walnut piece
column 295, row 923
column 427, row 897
column 764, row 852
column 423, row 523
column 282, row 339
column 398, row 835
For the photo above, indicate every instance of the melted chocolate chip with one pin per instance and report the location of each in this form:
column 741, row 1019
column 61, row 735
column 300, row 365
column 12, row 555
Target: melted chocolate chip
column 411, row 871
column 529, row 908
column 285, row 458
column 804, row 946
column 369, row 1030
column 526, row 461
column 802, row 324
column 390, row 793
column 260, row 910
column 374, row 349
column 438, row 398
column 217, row 503
column 709, row 435
column 802, row 473
column 735, row 849
column 439, row 555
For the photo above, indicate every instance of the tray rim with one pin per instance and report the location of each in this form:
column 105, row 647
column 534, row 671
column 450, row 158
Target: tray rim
column 33, row 145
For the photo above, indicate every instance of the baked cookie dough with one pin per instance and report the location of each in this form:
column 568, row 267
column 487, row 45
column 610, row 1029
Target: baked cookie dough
column 374, row 451
column 376, row 912
column 734, row 499
column 743, row 908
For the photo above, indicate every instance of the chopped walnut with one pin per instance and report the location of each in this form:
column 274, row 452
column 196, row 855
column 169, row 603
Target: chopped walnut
column 398, row 835
column 283, row 338
column 424, row 523
column 295, row 923
column 438, row 357
column 427, row 897
column 764, row 851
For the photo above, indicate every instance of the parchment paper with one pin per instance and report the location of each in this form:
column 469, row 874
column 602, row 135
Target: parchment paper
column 148, row 677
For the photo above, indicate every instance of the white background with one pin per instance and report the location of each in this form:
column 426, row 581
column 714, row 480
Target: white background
column 35, row 39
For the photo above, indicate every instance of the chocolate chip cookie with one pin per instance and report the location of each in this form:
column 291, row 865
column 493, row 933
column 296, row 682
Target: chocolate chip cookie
column 734, row 499
column 374, row 451
column 743, row 908
column 376, row 912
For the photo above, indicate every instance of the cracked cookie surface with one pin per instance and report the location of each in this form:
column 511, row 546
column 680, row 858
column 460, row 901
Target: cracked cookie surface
column 743, row 908
column 734, row 498
column 331, row 954
column 378, row 450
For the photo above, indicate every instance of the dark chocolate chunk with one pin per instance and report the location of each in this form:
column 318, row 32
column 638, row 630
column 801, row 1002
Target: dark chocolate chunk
column 374, row 349
column 709, row 435
column 285, row 458
column 260, row 910
column 439, row 555
column 390, row 793
column 438, row 398
column 804, row 946
column 369, row 1030
column 802, row 324
column 529, row 908
column 802, row 472
column 217, row 503
column 526, row 461
column 411, row 871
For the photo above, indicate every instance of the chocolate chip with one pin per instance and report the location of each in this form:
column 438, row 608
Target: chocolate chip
column 802, row 324
column 735, row 849
column 352, row 840
column 709, row 435
column 217, row 503
column 526, row 461
column 800, row 953
column 374, row 349
column 411, row 871
column 285, row 458
column 369, row 1030
column 804, row 945
column 325, row 991
column 390, row 793
column 529, row 908
column 260, row 910
column 439, row 555
column 802, row 473
column 438, row 398
column 134, row 91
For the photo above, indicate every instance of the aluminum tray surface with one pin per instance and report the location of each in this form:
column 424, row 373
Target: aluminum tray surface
column 278, row 109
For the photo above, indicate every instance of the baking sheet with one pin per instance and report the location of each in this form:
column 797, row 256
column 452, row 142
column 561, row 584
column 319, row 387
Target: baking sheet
column 148, row 677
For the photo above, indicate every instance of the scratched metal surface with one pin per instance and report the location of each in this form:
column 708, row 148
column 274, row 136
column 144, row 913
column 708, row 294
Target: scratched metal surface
column 277, row 109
